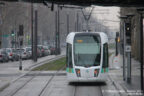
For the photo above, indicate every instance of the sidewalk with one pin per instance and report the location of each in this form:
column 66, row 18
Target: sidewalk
column 116, row 74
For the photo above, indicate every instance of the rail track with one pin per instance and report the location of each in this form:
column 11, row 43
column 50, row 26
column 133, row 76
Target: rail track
column 30, row 78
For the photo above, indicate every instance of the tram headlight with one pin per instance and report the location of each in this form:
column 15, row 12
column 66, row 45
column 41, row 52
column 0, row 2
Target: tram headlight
column 78, row 72
column 96, row 72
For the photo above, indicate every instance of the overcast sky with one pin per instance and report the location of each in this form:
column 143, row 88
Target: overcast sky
column 107, row 15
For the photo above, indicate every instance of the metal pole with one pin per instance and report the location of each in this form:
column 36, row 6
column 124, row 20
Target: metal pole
column 67, row 24
column 35, row 38
column 79, row 26
column 2, row 43
column 116, row 46
column 75, row 26
column 87, row 26
column 129, row 58
column 129, row 67
column 77, row 21
column 58, row 31
column 15, row 38
column 55, row 33
column 141, row 48
column 124, row 74
column 20, row 58
column 32, row 30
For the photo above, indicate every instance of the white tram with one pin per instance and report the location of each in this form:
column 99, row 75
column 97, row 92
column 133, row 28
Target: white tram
column 87, row 56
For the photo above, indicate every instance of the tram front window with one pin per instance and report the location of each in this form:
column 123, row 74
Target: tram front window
column 87, row 51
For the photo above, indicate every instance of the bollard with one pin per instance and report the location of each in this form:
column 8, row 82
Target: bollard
column 20, row 65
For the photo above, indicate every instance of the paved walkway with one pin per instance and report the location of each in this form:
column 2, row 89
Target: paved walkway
column 116, row 74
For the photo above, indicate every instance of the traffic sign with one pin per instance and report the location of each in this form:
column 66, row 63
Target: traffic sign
column 128, row 48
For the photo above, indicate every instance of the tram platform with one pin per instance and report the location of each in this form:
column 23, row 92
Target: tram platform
column 116, row 74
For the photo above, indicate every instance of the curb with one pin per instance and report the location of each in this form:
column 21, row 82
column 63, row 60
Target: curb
column 42, row 62
column 119, row 88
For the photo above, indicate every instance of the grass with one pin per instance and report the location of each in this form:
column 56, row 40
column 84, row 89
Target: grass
column 54, row 65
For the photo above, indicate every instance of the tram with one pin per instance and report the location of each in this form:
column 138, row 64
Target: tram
column 87, row 56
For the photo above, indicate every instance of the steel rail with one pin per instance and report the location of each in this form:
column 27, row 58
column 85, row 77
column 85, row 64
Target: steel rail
column 52, row 77
column 35, row 75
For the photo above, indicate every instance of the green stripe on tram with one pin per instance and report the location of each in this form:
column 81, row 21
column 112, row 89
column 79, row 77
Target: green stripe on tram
column 70, row 70
column 104, row 70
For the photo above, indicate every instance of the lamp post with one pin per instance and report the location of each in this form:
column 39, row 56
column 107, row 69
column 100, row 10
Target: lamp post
column 141, row 11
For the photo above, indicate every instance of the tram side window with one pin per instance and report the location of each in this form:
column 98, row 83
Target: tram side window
column 105, row 55
column 69, row 55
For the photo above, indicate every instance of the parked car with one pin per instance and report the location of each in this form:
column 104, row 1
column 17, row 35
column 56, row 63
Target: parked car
column 12, row 54
column 52, row 49
column 3, row 56
column 29, row 51
column 40, row 47
column 39, row 54
column 24, row 54
column 46, row 50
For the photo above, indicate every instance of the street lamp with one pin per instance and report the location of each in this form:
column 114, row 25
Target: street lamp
column 141, row 11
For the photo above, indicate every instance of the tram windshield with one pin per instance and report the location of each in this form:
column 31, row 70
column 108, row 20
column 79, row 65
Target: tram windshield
column 87, row 50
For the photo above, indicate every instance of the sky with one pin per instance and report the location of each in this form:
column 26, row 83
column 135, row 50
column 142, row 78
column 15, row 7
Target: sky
column 109, row 16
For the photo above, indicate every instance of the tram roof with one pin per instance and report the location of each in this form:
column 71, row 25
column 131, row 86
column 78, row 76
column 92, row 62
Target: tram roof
column 70, row 37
